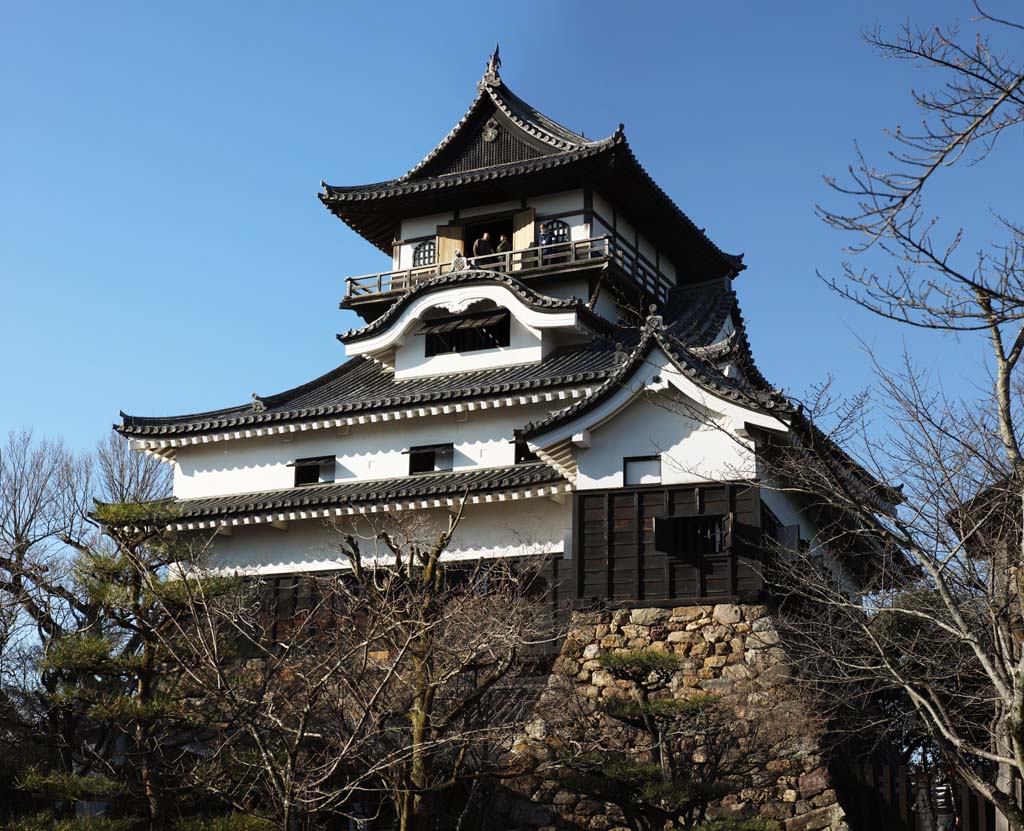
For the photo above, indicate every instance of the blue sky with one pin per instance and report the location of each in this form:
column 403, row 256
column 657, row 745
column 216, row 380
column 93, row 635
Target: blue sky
column 162, row 249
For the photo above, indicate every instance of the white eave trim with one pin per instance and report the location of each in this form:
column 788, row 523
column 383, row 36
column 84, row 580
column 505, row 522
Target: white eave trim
column 461, row 298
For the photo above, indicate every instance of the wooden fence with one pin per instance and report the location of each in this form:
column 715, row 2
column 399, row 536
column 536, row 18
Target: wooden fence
column 885, row 797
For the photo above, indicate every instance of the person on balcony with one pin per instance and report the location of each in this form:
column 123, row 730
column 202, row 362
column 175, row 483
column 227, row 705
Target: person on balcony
column 504, row 246
column 482, row 248
column 545, row 238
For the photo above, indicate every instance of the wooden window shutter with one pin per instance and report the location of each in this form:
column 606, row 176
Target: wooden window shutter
column 523, row 234
column 449, row 243
column 727, row 531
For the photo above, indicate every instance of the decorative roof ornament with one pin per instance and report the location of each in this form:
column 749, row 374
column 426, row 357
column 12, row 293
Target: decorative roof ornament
column 654, row 320
column 459, row 262
column 490, row 131
column 258, row 405
column 620, row 354
column 491, row 75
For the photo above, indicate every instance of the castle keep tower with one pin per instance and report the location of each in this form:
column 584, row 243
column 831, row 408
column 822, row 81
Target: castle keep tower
column 558, row 344
column 534, row 379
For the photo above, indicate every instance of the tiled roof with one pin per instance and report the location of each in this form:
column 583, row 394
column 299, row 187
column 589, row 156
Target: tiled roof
column 450, row 484
column 526, row 118
column 333, row 194
column 658, row 334
column 559, row 149
column 528, row 296
column 362, row 386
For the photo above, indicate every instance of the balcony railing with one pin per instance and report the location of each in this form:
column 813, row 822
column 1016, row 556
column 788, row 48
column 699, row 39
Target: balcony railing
column 525, row 261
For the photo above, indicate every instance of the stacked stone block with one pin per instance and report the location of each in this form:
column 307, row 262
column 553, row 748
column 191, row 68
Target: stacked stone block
column 731, row 650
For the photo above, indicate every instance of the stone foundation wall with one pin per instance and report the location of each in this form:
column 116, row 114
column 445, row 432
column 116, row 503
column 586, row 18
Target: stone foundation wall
column 729, row 650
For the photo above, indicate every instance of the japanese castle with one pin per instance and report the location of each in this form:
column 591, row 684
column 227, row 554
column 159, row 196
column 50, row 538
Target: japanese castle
column 586, row 387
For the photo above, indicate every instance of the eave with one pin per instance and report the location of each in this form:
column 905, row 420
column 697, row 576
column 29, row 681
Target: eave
column 341, row 499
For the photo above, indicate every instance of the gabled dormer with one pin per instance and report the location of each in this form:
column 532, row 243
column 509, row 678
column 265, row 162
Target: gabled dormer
column 469, row 321
column 581, row 217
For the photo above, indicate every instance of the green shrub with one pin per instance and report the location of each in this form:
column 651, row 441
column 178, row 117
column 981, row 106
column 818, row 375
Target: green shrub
column 638, row 664
column 69, row 786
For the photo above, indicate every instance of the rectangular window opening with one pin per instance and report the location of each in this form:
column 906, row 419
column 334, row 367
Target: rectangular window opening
column 641, row 470
column 687, row 536
column 314, row 470
column 467, row 333
column 431, row 458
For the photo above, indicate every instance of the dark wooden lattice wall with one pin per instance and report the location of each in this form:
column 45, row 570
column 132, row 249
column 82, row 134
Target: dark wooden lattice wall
column 659, row 544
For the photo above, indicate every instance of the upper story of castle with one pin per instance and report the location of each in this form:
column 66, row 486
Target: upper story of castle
column 511, row 190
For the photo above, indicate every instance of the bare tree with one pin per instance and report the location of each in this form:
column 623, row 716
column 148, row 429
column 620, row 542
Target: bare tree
column 931, row 648
column 391, row 684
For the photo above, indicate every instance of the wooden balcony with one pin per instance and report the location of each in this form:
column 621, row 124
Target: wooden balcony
column 522, row 263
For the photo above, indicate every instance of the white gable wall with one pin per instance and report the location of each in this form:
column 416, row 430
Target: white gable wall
column 371, row 451
column 693, row 443
column 787, row 508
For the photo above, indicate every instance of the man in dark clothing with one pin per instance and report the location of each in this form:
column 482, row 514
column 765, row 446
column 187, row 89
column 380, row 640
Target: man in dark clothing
column 543, row 239
column 944, row 802
column 504, row 246
column 482, row 247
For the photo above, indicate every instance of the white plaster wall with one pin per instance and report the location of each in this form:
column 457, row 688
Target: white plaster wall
column 599, row 229
column 524, row 347
column 603, row 207
column 787, row 508
column 496, row 208
column 569, row 287
column 648, row 251
column 625, row 230
column 556, row 203
column 424, row 226
column 521, row 528
column 371, row 451
column 693, row 448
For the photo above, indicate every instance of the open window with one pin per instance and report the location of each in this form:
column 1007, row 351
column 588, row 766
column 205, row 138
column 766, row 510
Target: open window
column 430, row 458
column 693, row 535
column 467, row 333
column 314, row 470
column 641, row 470
column 495, row 228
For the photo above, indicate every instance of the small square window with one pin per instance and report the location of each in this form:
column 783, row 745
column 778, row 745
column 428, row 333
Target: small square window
column 314, row 470
column 641, row 470
column 431, row 458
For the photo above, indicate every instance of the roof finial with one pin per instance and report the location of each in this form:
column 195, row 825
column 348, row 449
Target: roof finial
column 654, row 320
column 491, row 76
